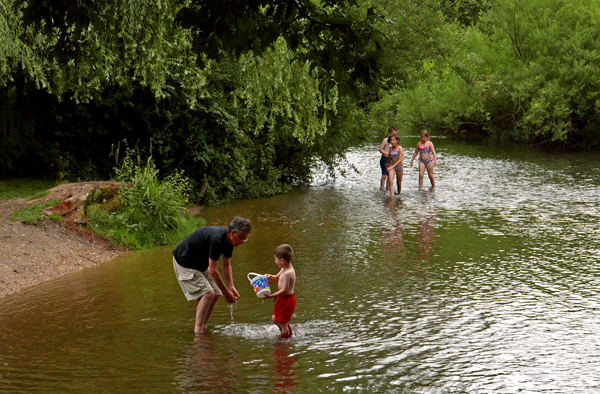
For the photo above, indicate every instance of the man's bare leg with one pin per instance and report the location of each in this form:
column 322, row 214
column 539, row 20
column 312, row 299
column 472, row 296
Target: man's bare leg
column 202, row 312
column 211, row 308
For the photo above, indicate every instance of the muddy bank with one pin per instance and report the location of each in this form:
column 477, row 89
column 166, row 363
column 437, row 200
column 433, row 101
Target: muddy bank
column 32, row 254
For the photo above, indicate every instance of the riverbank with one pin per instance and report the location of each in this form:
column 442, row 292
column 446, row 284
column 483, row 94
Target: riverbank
column 33, row 254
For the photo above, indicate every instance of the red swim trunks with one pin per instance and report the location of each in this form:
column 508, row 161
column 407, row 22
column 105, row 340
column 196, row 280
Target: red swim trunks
column 284, row 308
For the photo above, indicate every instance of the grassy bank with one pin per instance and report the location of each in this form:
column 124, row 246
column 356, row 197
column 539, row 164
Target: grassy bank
column 25, row 188
column 147, row 210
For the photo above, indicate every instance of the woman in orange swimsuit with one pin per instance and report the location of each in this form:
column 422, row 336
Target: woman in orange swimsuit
column 427, row 158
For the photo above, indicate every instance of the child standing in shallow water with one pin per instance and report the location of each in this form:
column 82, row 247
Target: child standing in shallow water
column 427, row 158
column 394, row 165
column 286, row 278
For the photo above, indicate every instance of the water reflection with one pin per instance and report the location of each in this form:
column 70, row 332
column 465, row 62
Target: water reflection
column 426, row 227
column 393, row 234
column 284, row 360
column 203, row 370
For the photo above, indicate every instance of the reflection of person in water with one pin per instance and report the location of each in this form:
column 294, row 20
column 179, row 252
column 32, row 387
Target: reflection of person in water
column 426, row 229
column 285, row 379
column 204, row 369
column 394, row 236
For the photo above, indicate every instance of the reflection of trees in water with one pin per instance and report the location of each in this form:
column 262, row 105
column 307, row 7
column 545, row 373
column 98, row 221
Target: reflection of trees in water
column 394, row 236
column 205, row 370
column 285, row 379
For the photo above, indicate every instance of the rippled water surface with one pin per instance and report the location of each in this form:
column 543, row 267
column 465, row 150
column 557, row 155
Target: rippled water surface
column 487, row 284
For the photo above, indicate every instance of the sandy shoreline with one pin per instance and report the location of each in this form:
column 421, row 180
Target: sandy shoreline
column 30, row 255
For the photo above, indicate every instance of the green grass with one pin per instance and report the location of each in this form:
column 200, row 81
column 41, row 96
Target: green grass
column 145, row 233
column 30, row 188
column 38, row 195
column 33, row 213
column 55, row 217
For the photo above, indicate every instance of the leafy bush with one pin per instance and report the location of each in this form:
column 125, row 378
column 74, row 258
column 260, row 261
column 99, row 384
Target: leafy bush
column 528, row 71
column 147, row 211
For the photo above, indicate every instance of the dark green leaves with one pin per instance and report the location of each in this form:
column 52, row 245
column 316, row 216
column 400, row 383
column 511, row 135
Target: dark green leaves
column 332, row 36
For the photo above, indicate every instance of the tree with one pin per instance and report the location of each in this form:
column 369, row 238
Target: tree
column 332, row 34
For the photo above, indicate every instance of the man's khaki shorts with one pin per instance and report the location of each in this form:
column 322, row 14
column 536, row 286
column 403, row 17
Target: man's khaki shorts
column 194, row 283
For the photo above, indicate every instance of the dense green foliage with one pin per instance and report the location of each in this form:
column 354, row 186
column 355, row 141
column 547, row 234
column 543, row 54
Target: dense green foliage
column 327, row 34
column 77, row 92
column 147, row 211
column 525, row 70
column 331, row 35
column 245, row 97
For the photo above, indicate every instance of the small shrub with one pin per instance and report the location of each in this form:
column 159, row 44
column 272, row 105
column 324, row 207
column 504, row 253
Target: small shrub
column 146, row 210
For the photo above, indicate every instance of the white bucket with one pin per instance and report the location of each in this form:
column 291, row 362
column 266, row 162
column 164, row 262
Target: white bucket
column 260, row 284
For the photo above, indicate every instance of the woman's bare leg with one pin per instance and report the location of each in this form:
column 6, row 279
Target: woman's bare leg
column 391, row 182
column 421, row 174
column 399, row 175
column 430, row 166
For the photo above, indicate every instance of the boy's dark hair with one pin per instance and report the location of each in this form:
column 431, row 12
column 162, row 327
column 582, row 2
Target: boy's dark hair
column 285, row 252
column 392, row 129
column 240, row 225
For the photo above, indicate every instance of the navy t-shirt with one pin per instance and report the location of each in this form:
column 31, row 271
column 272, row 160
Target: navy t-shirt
column 207, row 242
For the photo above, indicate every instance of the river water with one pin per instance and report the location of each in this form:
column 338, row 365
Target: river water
column 487, row 284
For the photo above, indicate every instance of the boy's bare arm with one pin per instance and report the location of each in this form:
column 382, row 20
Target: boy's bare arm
column 285, row 283
column 382, row 147
column 274, row 278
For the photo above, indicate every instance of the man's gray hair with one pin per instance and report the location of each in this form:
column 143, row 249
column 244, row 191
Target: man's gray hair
column 239, row 225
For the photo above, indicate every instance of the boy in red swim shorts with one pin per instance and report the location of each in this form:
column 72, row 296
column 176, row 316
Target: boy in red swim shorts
column 286, row 278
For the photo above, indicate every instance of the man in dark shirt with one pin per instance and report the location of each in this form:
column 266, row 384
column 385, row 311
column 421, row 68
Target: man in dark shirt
column 196, row 261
